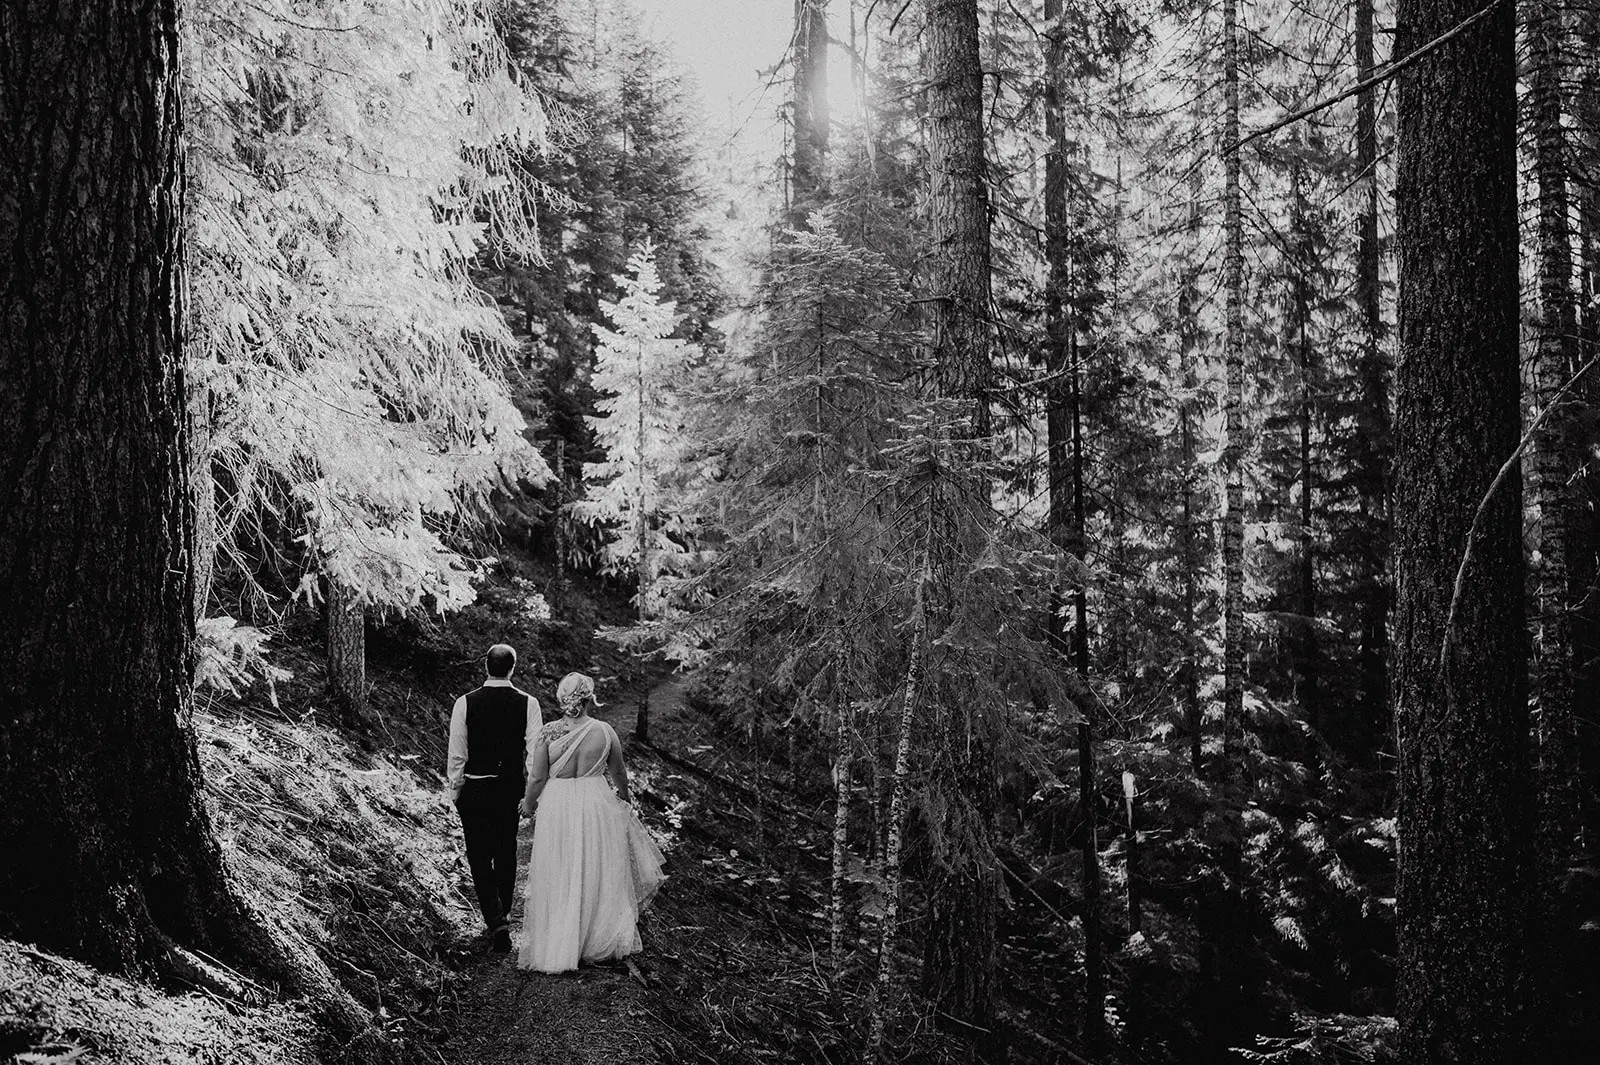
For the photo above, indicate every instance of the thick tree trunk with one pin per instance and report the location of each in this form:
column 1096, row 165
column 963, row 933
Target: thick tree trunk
column 109, row 853
column 810, row 103
column 1375, row 442
column 108, row 847
column 1465, row 884
column 347, row 652
column 963, row 892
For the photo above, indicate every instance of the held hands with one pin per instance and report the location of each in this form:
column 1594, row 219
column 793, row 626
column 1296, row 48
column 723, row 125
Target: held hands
column 522, row 809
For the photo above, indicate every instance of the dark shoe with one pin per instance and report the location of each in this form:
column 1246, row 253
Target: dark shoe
column 502, row 940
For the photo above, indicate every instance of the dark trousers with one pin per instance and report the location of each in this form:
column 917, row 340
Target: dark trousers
column 488, row 810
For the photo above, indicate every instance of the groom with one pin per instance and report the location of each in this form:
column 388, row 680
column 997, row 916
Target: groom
column 492, row 731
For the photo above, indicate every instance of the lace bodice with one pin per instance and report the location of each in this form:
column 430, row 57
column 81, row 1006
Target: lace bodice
column 578, row 748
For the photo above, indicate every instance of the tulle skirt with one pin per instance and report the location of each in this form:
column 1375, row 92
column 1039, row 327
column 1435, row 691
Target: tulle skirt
column 593, row 870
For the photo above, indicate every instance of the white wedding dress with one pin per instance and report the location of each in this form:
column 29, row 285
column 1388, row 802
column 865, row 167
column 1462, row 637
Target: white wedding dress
column 594, row 867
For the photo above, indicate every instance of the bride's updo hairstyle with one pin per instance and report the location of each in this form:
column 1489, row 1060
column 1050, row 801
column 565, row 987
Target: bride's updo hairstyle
column 575, row 693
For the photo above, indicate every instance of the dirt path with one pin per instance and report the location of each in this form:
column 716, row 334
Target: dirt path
column 599, row 1014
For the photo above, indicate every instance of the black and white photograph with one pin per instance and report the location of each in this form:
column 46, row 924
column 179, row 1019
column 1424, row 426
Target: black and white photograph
column 799, row 532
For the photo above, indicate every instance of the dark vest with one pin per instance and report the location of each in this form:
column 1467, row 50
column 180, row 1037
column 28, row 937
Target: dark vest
column 497, row 720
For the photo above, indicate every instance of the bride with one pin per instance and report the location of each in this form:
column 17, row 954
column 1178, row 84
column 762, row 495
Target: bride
column 593, row 867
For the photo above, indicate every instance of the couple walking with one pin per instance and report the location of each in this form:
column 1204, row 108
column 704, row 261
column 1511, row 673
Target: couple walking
column 594, row 867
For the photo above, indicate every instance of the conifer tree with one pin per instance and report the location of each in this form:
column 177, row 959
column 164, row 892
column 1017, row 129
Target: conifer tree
column 634, row 492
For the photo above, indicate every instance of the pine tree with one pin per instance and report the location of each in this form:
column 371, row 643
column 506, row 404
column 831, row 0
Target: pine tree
column 634, row 492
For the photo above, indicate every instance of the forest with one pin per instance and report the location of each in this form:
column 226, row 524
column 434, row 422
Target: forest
column 1089, row 531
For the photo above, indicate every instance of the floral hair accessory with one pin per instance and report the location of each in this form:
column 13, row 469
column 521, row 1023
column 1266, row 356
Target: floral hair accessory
column 574, row 693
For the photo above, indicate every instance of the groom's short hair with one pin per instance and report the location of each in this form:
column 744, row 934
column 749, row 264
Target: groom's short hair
column 501, row 660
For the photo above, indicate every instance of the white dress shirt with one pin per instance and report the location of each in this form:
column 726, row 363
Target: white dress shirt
column 456, row 765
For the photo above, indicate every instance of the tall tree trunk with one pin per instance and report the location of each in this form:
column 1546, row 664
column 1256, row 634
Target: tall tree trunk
column 1058, row 317
column 1094, row 976
column 1375, row 443
column 1460, row 665
column 1080, row 520
column 109, row 852
column 1585, row 575
column 1188, row 548
column 1223, row 906
column 1554, row 338
column 1233, row 411
column 1557, row 780
column 108, row 847
column 347, row 652
column 1305, row 564
column 810, row 102
column 882, row 1005
column 558, row 525
column 963, row 893
column 843, row 782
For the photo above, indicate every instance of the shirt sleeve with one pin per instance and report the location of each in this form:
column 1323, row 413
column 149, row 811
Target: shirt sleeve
column 531, row 738
column 456, row 765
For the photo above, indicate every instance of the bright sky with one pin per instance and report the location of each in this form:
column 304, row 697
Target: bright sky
column 725, row 43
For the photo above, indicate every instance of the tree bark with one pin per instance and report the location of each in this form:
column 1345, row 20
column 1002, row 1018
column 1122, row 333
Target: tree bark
column 882, row 1006
column 1064, row 392
column 1305, row 564
column 1188, row 550
column 1460, row 693
column 1550, row 468
column 1058, row 318
column 347, row 652
column 1233, row 412
column 1557, row 783
column 1585, row 575
column 843, row 782
column 108, row 846
column 109, row 849
column 963, row 891
column 1094, row 976
column 1222, row 922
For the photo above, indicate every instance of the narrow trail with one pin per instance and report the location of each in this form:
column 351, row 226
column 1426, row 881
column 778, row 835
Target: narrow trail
column 598, row 1015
